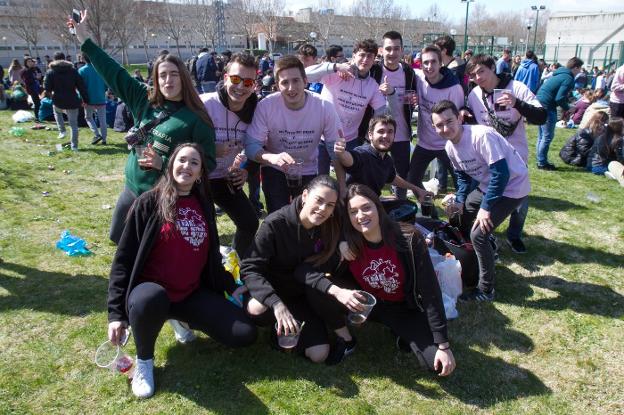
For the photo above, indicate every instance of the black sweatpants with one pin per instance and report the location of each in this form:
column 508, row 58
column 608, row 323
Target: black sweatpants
column 410, row 324
column 313, row 333
column 239, row 209
column 149, row 308
column 120, row 214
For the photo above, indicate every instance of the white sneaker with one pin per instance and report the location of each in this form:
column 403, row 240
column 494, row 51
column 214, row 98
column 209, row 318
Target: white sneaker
column 183, row 332
column 143, row 379
column 61, row 136
column 608, row 175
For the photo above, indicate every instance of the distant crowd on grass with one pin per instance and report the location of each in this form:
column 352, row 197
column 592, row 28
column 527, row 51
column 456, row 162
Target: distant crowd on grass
column 332, row 253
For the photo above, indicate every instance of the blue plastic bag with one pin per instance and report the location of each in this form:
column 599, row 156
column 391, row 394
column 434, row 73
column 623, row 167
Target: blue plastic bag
column 72, row 245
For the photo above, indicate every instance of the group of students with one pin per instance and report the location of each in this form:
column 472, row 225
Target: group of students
column 295, row 268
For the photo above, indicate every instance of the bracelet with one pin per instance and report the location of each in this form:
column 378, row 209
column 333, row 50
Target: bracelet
column 446, row 348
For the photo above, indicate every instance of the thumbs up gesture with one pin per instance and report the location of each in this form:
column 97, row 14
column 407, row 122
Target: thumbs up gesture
column 385, row 88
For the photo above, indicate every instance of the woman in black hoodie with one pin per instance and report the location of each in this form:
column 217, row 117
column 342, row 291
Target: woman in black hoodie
column 398, row 272
column 306, row 231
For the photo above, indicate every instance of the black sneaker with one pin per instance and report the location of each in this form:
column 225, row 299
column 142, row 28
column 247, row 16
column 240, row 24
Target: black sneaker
column 517, row 246
column 477, row 295
column 547, row 166
column 340, row 350
column 218, row 211
column 96, row 139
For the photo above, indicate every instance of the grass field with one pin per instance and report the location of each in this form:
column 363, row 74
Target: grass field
column 552, row 343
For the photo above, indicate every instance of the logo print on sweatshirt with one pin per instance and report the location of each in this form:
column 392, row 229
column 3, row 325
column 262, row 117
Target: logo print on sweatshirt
column 382, row 274
column 192, row 226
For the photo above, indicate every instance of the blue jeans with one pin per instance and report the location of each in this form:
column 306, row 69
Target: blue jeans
column 545, row 135
column 517, row 219
column 72, row 117
column 100, row 111
column 209, row 86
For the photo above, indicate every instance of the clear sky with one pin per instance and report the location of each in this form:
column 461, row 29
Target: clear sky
column 456, row 10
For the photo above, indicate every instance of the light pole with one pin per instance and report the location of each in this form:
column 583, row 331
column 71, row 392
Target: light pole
column 466, row 24
column 529, row 26
column 4, row 39
column 537, row 10
column 558, row 42
column 153, row 35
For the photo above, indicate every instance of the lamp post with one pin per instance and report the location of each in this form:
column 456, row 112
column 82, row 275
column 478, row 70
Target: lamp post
column 558, row 42
column 4, row 39
column 528, row 26
column 313, row 37
column 466, row 24
column 153, row 35
column 537, row 10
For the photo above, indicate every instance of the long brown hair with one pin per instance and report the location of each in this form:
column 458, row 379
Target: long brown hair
column 330, row 229
column 189, row 95
column 166, row 190
column 597, row 123
column 615, row 134
column 391, row 233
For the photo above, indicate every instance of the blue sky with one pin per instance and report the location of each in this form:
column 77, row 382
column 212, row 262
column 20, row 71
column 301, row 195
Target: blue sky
column 456, row 10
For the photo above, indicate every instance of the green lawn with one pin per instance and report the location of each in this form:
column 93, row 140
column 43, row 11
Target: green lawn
column 552, row 343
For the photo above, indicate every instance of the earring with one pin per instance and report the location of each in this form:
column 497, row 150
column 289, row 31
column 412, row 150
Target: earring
column 198, row 181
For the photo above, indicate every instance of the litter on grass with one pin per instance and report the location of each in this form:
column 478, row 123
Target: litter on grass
column 72, row 245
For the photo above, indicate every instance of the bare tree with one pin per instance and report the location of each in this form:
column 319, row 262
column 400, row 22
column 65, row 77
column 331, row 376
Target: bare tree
column 202, row 19
column 244, row 17
column 174, row 22
column 372, row 16
column 99, row 22
column 27, row 25
column 324, row 18
column 147, row 22
column 270, row 23
column 123, row 24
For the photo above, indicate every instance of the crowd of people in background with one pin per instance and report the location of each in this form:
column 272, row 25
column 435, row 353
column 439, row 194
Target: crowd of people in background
column 198, row 131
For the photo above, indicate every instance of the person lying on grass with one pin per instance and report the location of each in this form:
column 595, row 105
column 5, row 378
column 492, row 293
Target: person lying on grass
column 168, row 266
column 394, row 268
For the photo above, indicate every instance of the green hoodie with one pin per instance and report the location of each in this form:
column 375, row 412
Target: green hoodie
column 182, row 126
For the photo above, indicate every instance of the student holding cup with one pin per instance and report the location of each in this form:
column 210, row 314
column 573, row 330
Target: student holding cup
column 397, row 271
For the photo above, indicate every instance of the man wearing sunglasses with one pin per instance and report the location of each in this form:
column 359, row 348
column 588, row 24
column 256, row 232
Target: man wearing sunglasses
column 231, row 109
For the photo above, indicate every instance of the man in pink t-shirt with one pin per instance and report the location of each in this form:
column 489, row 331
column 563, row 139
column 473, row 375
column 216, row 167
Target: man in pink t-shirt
column 478, row 153
column 503, row 103
column 285, row 134
column 434, row 84
column 351, row 89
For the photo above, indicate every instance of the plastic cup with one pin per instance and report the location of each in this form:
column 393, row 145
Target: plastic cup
column 294, row 178
column 358, row 318
column 139, row 150
column 112, row 357
column 288, row 341
column 59, row 148
column 408, row 96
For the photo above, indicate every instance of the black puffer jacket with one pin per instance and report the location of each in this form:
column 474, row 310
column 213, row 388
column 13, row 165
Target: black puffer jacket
column 62, row 81
column 577, row 148
column 605, row 150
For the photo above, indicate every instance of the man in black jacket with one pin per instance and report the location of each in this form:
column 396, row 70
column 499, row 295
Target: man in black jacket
column 61, row 82
column 400, row 76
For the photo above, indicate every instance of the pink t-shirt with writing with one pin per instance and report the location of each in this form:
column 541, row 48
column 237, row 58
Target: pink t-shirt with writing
column 351, row 98
column 481, row 146
column 397, row 80
column 518, row 138
column 427, row 98
column 297, row 132
column 229, row 129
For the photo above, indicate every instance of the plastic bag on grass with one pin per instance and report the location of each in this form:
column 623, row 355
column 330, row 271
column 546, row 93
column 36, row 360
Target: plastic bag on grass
column 449, row 307
column 72, row 245
column 231, row 263
column 449, row 277
column 23, row 116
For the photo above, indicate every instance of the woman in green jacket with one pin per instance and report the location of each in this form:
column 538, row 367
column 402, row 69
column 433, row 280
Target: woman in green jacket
column 173, row 101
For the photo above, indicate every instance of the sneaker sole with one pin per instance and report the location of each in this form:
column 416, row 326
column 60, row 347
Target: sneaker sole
column 514, row 250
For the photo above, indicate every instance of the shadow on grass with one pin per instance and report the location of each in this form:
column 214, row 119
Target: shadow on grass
column 105, row 150
column 549, row 204
column 52, row 292
column 581, row 297
column 544, row 251
column 219, row 379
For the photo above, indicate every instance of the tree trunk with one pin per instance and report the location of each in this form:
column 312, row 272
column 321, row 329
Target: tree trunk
column 145, row 50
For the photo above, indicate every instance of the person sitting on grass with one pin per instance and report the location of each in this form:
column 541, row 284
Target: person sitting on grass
column 371, row 164
column 305, row 231
column 578, row 147
column 46, row 109
column 394, row 268
column 607, row 148
column 168, row 265
column 479, row 153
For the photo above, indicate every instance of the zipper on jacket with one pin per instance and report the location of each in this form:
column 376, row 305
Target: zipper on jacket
column 414, row 292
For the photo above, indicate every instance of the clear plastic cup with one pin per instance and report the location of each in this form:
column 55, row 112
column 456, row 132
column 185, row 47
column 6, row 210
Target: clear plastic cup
column 426, row 206
column 294, row 178
column 112, row 357
column 409, row 96
column 358, row 318
column 290, row 340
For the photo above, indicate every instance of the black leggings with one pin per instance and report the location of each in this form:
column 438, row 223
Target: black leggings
column 239, row 209
column 37, row 103
column 149, row 308
column 410, row 324
column 120, row 214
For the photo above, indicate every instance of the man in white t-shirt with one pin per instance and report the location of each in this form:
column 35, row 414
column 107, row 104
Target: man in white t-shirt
column 351, row 89
column 231, row 109
column 505, row 111
column 479, row 154
column 285, row 134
